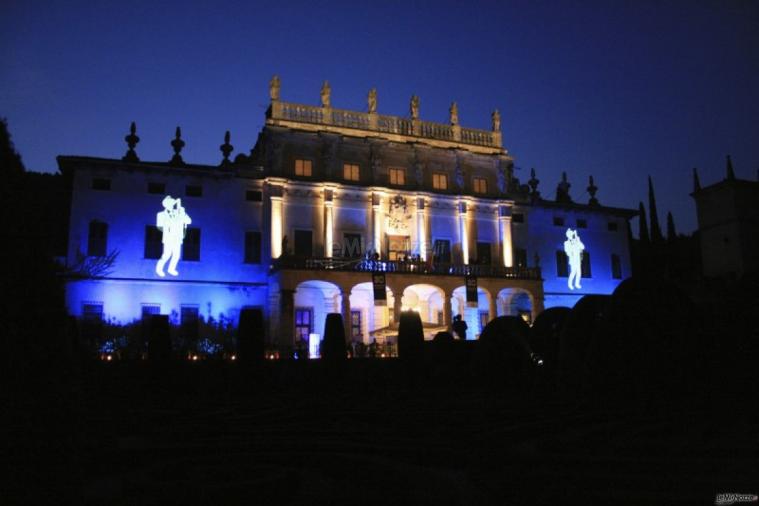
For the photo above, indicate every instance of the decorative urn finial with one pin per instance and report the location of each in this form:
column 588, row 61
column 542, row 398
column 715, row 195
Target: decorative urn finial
column 131, row 140
column 592, row 189
column 226, row 149
column 177, row 144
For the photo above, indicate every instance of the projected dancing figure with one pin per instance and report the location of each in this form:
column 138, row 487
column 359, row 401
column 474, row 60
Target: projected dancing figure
column 574, row 247
column 172, row 221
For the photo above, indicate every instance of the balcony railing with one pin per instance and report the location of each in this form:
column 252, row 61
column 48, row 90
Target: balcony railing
column 404, row 267
column 302, row 113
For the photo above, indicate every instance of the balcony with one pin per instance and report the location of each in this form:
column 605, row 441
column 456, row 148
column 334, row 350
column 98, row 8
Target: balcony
column 383, row 124
column 404, row 267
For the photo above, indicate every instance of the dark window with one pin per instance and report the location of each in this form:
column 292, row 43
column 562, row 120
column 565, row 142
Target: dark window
column 92, row 311
column 517, row 218
column 101, row 183
column 193, row 190
column 159, row 188
column 304, row 323
column 149, row 310
column 483, row 253
column 191, row 245
column 352, row 245
column 441, row 251
column 254, row 196
column 581, row 223
column 586, row 265
column 562, row 264
column 558, row 221
column 97, row 240
column 616, row 267
column 520, row 257
column 612, row 226
column 304, row 243
column 252, row 247
column 356, row 325
column 189, row 321
column 153, row 242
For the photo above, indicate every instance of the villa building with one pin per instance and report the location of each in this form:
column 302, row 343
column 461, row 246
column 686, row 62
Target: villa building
column 329, row 208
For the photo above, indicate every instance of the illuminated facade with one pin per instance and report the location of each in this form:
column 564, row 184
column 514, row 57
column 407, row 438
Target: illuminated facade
column 325, row 198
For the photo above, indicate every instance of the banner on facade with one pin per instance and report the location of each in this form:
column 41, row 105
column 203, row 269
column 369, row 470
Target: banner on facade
column 378, row 284
column 471, row 290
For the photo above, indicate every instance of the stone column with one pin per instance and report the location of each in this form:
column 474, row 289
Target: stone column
column 421, row 228
column 286, row 329
column 277, row 226
column 447, row 309
column 493, row 312
column 377, row 221
column 504, row 220
column 328, row 223
column 397, row 306
column 346, row 312
column 464, row 233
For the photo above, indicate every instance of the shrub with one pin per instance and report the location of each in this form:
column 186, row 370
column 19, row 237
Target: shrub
column 410, row 337
column 503, row 354
column 250, row 336
column 333, row 348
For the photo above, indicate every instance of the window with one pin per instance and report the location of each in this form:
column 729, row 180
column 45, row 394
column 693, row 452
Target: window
column 483, row 253
column 153, row 242
column 254, row 196
column 585, row 268
column 303, row 168
column 612, row 226
column 616, row 266
column 149, row 310
column 304, row 243
column 101, row 183
column 581, row 223
column 440, row 181
column 191, row 245
column 520, row 257
column 252, row 247
column 558, row 221
column 562, row 264
column 441, row 251
column 517, row 218
column 397, row 176
column 97, row 240
column 350, row 172
column 189, row 321
column 193, row 190
column 92, row 311
column 304, row 323
column 352, row 245
column 480, row 185
column 157, row 188
column 356, row 325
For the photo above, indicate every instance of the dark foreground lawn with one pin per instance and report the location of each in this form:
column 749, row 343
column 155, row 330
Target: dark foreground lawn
column 216, row 433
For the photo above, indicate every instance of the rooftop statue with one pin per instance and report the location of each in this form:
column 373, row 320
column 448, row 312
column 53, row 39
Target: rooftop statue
column 372, row 101
column 274, row 86
column 496, row 119
column 414, row 107
column 454, row 112
column 326, row 90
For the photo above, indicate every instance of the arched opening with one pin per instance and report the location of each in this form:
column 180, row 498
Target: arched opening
column 516, row 302
column 476, row 317
column 369, row 321
column 427, row 300
column 313, row 300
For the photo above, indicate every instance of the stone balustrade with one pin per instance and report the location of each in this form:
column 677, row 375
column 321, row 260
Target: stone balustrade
column 373, row 122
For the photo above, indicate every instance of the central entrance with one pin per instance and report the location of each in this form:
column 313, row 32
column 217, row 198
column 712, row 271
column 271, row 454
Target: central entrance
column 398, row 246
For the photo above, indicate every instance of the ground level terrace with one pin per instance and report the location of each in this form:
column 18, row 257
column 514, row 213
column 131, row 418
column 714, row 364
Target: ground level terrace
column 299, row 301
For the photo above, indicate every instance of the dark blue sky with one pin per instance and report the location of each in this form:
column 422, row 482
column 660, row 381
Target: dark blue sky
column 617, row 89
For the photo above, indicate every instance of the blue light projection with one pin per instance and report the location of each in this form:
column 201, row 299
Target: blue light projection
column 172, row 221
column 574, row 247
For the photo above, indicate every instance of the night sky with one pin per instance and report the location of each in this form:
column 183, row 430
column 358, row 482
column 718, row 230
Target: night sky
column 618, row 90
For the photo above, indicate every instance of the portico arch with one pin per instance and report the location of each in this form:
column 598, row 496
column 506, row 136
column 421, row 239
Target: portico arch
column 516, row 302
column 312, row 301
column 475, row 317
